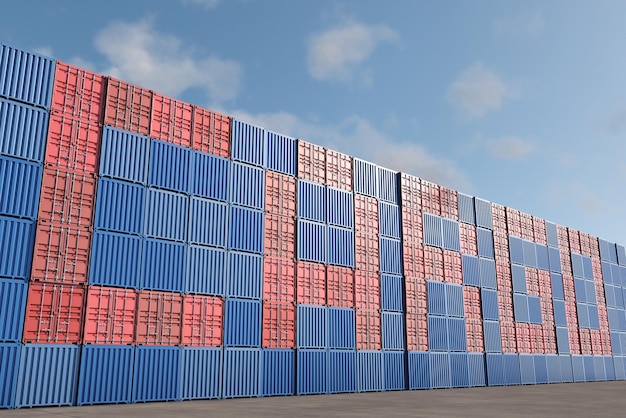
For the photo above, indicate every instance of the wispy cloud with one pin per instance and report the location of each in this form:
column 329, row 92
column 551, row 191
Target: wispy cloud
column 530, row 24
column 477, row 91
column 44, row 50
column 577, row 195
column 510, row 148
column 207, row 4
column 338, row 53
column 616, row 123
column 136, row 52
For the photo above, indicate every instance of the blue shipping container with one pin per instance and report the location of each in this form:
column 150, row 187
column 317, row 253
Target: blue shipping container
column 369, row 372
column 456, row 334
column 541, row 369
column 12, row 305
column 312, row 241
column 437, row 333
column 393, row 332
column 391, row 293
column 340, row 246
column 282, row 153
column 340, row 209
column 312, row 326
column 124, row 155
column 20, row 185
column 156, row 374
column 459, row 372
column 393, row 366
column 169, row 167
column 578, row 368
column 436, row 298
column 512, row 374
column 246, row 231
column 439, row 370
column 454, row 300
column 493, row 339
column 9, row 358
column 23, row 131
column 167, row 214
column 390, row 256
column 552, row 235
column 25, row 76
column 477, row 372
column 242, row 323
column 485, row 243
column 365, row 178
column 106, row 374
column 487, row 270
column 208, row 222
column 312, row 201
column 489, row 299
column 16, row 246
column 389, row 220
column 419, row 370
column 388, row 186
column 527, row 369
column 483, row 213
column 341, row 328
column 312, row 372
column 554, row 368
column 115, row 259
column 210, row 176
column 432, row 230
column 518, row 274
column 516, row 250
column 205, row 270
column 467, row 213
column 120, row 206
column 200, row 373
column 341, row 371
column 469, row 267
column 247, row 186
column 277, row 372
column 245, row 275
column 163, row 265
column 451, row 235
column 248, row 143
column 495, row 370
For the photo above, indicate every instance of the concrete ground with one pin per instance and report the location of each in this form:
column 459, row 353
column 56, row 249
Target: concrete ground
column 599, row 399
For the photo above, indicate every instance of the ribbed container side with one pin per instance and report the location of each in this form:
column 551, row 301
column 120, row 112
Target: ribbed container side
column 471, row 275
column 389, row 215
column 245, row 275
column 312, row 327
column 128, row 107
column 246, row 230
column 454, row 300
column 282, row 153
column 241, row 372
column 77, row 92
column 23, row 131
column 493, row 339
column 433, row 230
column 208, row 222
column 248, row 143
column 279, row 324
column 109, row 316
column 367, row 252
column 124, row 155
column 210, row 176
column 202, row 321
column 277, row 372
column 280, row 235
column 242, row 323
column 578, row 368
column 393, row 331
column 54, row 313
column 340, row 287
column 25, row 76
column 211, row 132
column 341, row 328
column 467, row 213
column 311, row 201
column 20, row 183
column 419, row 370
column 390, row 256
column 527, row 369
column 205, row 270
column 518, row 277
column 534, row 310
column 171, row 120
column 9, row 358
column 365, row 178
column 457, row 340
column 495, row 370
column 440, row 370
column 67, row 198
column 476, row 366
column 388, row 186
column 73, row 144
column 106, row 373
column 621, row 255
column 338, row 170
column 394, row 370
column 280, row 194
column 169, row 167
column 566, row 368
column 554, row 368
column 436, row 297
column 201, row 373
column 167, row 215
column 247, row 186
column 541, row 369
column 312, row 240
column 156, row 374
column 437, row 333
column 391, row 293
column 366, row 215
column 115, row 259
column 369, row 371
column 484, row 238
column 484, row 217
column 512, row 374
column 520, row 308
column 516, row 250
column 279, row 279
column 530, row 254
column 12, row 305
column 120, row 206
column 451, row 235
column 311, row 162
column 620, row 370
column 311, row 283
column 163, row 265
column 47, row 375
column 543, row 261
column 341, row 371
column 311, row 372
column 489, row 300
column 600, row 373
column 158, row 320
column 609, row 367
column 340, row 209
column 16, row 246
column 560, row 314
column 411, row 192
column 459, row 372
column 551, row 233
column 368, row 329
column 555, row 259
column 340, row 246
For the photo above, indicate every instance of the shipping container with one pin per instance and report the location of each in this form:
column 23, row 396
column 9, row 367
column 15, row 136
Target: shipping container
column 242, row 323
column 340, row 246
column 277, row 372
column 163, row 265
column 23, row 131
column 246, row 230
column 280, row 235
column 340, row 287
column 341, row 328
column 201, row 373
column 106, row 374
column 25, row 76
column 282, row 153
column 311, row 162
column 338, row 170
column 393, row 331
column 248, row 143
column 312, row 241
column 208, row 222
column 78, row 93
column 162, row 205
column 341, row 371
column 211, row 132
column 367, row 252
column 241, row 372
column 171, row 120
column 12, row 304
column 202, row 321
column 247, row 186
column 391, row 293
column 279, row 324
column 389, row 220
column 20, row 183
column 310, row 283
column 419, row 370
column 158, row 319
column 390, row 256
column 340, row 209
column 365, row 178
column 9, row 359
column 369, row 372
column 388, row 186
column 205, row 270
column 124, row 155
column 312, row 326
column 128, row 107
column 311, row 372
column 280, row 194
column 109, row 317
column 67, row 198
column 120, row 206
column 459, row 372
column 245, row 275
column 169, row 167
column 210, row 176
column 73, row 144
column 410, row 192
column 156, row 374
column 115, row 259
column 366, row 214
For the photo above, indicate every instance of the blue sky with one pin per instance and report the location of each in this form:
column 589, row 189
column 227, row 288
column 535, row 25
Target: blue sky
column 520, row 103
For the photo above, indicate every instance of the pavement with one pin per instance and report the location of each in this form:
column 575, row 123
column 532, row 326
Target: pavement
column 598, row 399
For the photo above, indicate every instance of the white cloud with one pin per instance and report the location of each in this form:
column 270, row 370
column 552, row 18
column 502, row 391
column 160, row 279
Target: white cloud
column 510, row 148
column 138, row 53
column 525, row 25
column 337, row 54
column 477, row 91
column 207, row 4
column 44, row 50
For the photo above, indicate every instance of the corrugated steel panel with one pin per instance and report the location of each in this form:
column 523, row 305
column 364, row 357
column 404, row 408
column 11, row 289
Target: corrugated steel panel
column 163, row 265
column 312, row 372
column 388, row 186
column 541, row 369
column 609, row 367
column 312, row 241
column 20, row 183
column 484, row 238
column 554, row 368
column 477, row 372
column 483, row 213
column 390, row 256
column 201, row 373
column 391, row 293
column 454, row 300
column 437, row 333
column 551, row 233
column 16, row 246
column 516, row 250
column 159, row 318
column 169, row 167
column 120, row 206
column 607, row 274
column 583, row 315
column 451, row 235
column 246, row 230
column 578, row 368
column 277, row 372
column 280, row 235
column 311, row 162
column 341, row 328
column 248, row 143
column 518, row 275
column 534, row 310
column 543, row 261
column 560, row 314
column 440, row 370
column 23, row 131
column 604, row 250
column 489, row 300
column 128, row 107
column 242, row 323
column 419, row 370
column 12, row 305
column 171, row 120
column 389, row 217
column 555, row 259
column 312, row 326
column 621, row 255
column 620, row 368
column 436, row 293
column 577, row 265
column 311, row 283
column 495, row 370
column 471, row 275
column 340, row 287
column 341, row 371
column 282, row 153
column 167, row 214
column 493, row 339
column 279, row 279
column 124, row 155
column 393, row 365
column 369, row 372
column 566, row 368
column 115, row 259
column 340, row 209
column 365, row 178
column 208, row 222
column 67, row 198
column 156, row 374
column 600, row 373
column 245, row 275
column 211, row 132
column 457, row 340
column 47, row 375
column 527, row 369
column 512, row 374
column 109, row 316
column 467, row 213
column 432, row 230
column 279, row 324
column 587, row 268
column 77, row 92
column 9, row 358
column 73, row 144
column 340, row 246
column 25, row 76
column 210, row 176
column 280, row 194
column 338, row 170
column 202, row 321
column 106, row 373
column 459, row 373
column 311, row 201
column 247, row 186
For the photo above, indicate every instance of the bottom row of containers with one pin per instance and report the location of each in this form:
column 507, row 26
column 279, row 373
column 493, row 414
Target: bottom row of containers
column 91, row 374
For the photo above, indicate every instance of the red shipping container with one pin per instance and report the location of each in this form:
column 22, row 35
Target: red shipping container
column 366, row 250
column 574, row 339
column 532, row 281
column 412, row 226
column 311, row 162
column 202, row 321
column 110, row 316
column 417, row 332
column 365, row 214
column 585, row 243
column 416, row 302
column 366, row 290
column 528, row 233
column 545, row 284
column 73, row 144
column 498, row 216
column 211, row 132
column 279, row 279
column 171, row 120
column 449, row 203
column 280, row 194
column 594, row 246
column 566, row 263
column 505, row 306
column 606, row 342
column 411, row 192
column 340, row 287
column 503, row 276
column 368, row 329
column 469, row 245
column 514, row 222
column 452, row 267
column 128, row 107
column 475, row 335
column 536, row 339
column 507, row 331
column 280, row 235
column 433, row 263
column 413, row 258
column 472, row 305
column 431, row 198
column 77, row 93
column 574, row 240
column 311, row 283
column 596, row 342
column 585, row 341
column 67, row 198
column 539, row 230
column 279, row 324
column 61, row 254
column 54, row 313
column 338, row 170
column 501, row 246
column 159, row 318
